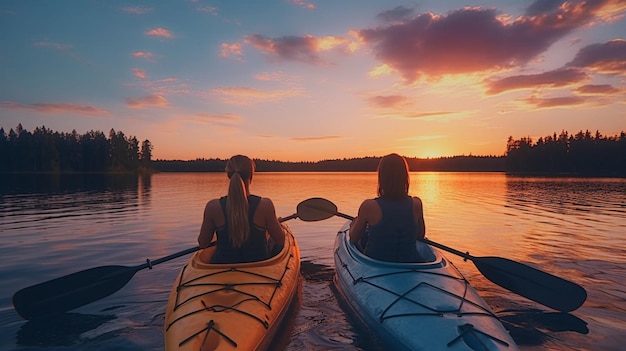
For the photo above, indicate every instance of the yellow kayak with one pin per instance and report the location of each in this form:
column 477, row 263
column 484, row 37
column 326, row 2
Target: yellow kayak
column 230, row 306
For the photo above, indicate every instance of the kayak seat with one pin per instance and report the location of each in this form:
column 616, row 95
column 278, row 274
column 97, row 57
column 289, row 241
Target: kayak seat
column 425, row 252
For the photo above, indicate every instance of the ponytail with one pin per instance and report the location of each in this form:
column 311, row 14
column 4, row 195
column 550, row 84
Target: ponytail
column 239, row 169
column 237, row 209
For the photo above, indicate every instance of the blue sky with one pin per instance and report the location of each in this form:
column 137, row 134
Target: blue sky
column 312, row 80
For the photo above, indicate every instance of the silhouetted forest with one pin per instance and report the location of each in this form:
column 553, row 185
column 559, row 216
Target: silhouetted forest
column 582, row 153
column 365, row 164
column 45, row 150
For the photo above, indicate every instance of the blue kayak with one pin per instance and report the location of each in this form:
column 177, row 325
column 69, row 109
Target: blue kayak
column 416, row 306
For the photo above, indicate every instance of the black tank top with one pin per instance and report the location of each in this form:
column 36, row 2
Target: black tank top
column 254, row 249
column 393, row 238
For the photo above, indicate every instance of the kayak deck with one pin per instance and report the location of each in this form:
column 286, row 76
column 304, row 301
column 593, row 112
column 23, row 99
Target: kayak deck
column 416, row 306
column 231, row 306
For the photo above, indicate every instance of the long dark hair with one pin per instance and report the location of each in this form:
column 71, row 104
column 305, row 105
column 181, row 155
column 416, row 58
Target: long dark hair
column 240, row 170
column 393, row 177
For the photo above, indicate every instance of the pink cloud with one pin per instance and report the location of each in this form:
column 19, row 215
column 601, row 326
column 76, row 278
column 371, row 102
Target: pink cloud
column 228, row 50
column 476, row 39
column 160, row 32
column 557, row 78
column 398, row 13
column 554, row 102
column 298, row 48
column 154, row 100
column 218, row 118
column 245, row 95
column 54, row 46
column 606, row 58
column 207, row 9
column 142, row 54
column 388, row 101
column 271, row 76
column 317, row 138
column 56, row 108
column 599, row 89
column 137, row 10
column 428, row 114
column 139, row 73
column 303, row 3
column 64, row 49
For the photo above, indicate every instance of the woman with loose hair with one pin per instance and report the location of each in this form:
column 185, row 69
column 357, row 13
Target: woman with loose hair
column 392, row 222
column 242, row 221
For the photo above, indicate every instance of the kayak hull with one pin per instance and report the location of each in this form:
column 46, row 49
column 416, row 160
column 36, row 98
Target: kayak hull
column 416, row 306
column 231, row 306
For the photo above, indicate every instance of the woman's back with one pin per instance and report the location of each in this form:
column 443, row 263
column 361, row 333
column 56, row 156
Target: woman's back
column 255, row 248
column 393, row 237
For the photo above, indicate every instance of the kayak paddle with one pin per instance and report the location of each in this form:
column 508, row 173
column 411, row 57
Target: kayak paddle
column 81, row 288
column 531, row 283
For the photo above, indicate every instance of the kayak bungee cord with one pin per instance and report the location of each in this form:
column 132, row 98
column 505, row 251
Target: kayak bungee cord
column 464, row 329
column 230, row 287
column 210, row 326
column 470, row 329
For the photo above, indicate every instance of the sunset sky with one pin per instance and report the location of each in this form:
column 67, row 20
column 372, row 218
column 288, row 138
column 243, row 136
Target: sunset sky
column 307, row 80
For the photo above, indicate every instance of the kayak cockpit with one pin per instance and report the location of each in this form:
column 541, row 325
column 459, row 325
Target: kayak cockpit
column 430, row 258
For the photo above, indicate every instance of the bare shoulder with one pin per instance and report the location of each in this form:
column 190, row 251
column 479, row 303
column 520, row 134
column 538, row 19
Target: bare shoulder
column 266, row 205
column 213, row 205
column 369, row 208
column 417, row 203
column 369, row 203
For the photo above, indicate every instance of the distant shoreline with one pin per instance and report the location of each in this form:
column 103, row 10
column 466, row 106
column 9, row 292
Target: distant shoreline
column 474, row 164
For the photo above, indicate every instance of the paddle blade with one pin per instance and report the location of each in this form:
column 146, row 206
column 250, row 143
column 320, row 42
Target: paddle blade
column 71, row 291
column 316, row 209
column 544, row 288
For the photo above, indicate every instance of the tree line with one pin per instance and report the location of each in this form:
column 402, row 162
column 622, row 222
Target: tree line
column 582, row 153
column 44, row 150
column 363, row 164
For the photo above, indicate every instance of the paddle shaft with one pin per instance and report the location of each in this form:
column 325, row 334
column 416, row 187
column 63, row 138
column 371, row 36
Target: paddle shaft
column 534, row 284
column 78, row 289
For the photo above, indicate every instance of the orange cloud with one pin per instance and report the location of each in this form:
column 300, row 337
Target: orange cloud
column 56, row 108
column 160, row 32
column 476, row 39
column 556, row 78
column 244, row 95
column 154, row 100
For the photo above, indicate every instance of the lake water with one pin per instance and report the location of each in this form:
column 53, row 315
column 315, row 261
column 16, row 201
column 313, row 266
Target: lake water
column 52, row 226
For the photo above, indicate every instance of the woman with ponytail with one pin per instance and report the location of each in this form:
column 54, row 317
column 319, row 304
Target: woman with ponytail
column 242, row 221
